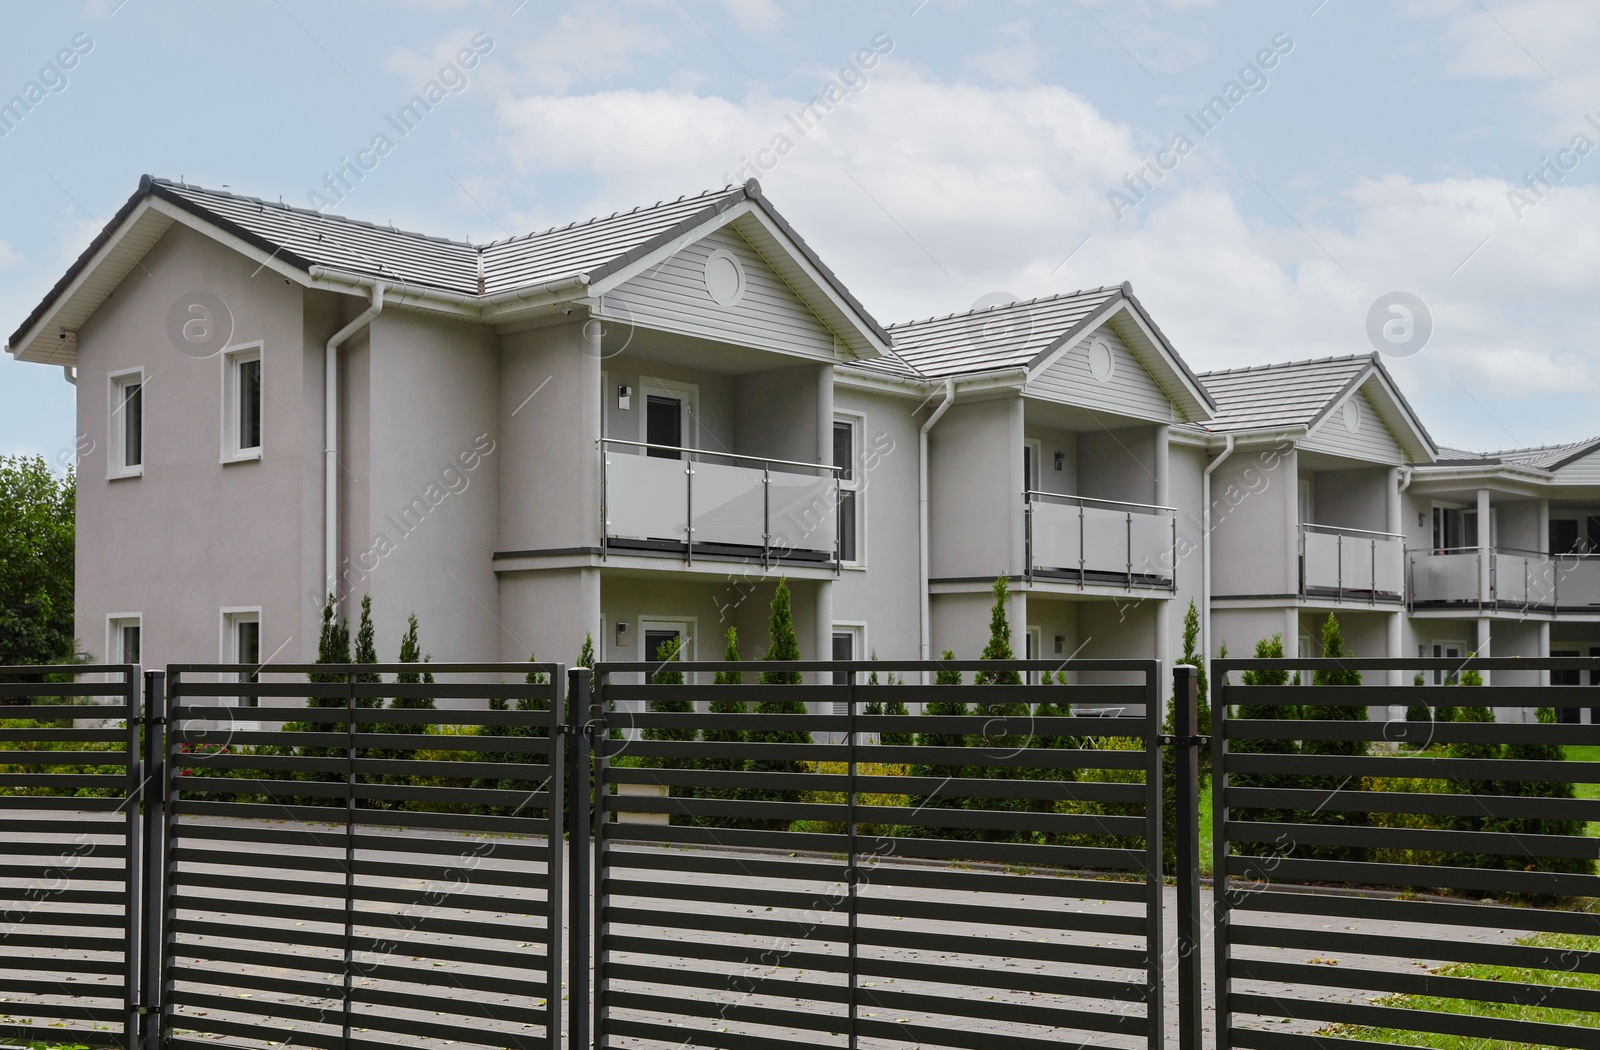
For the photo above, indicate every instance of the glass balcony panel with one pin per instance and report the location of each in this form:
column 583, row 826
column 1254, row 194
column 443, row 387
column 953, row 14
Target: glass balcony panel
column 1321, row 560
column 1152, row 545
column 1056, row 536
column 1391, row 567
column 1105, row 540
column 1444, row 577
column 727, row 504
column 1579, row 580
column 1511, row 572
column 646, row 498
column 804, row 515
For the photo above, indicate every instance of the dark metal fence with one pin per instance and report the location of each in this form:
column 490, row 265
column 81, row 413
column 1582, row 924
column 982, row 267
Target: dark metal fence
column 69, row 864
column 983, row 874
column 1447, row 827
column 343, row 875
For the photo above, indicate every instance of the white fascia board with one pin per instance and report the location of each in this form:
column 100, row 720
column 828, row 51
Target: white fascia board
column 669, row 249
column 227, row 240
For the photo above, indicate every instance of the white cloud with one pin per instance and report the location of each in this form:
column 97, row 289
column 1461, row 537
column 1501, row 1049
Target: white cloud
column 924, row 195
column 754, row 16
column 9, row 256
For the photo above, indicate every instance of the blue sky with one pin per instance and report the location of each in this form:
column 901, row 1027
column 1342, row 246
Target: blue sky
column 974, row 155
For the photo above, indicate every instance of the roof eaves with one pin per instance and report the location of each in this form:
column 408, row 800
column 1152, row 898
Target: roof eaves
column 1177, row 358
column 81, row 262
column 752, row 191
column 1583, row 449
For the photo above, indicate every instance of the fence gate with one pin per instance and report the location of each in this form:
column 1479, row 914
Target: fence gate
column 69, row 864
column 341, row 877
column 1452, row 828
column 804, row 865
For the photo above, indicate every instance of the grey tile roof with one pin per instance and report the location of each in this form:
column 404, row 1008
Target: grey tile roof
column 1007, row 336
column 1266, row 397
column 361, row 247
column 1539, row 457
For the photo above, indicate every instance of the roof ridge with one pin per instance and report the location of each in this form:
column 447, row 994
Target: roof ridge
column 1005, row 306
column 723, row 191
column 281, row 206
column 1289, row 364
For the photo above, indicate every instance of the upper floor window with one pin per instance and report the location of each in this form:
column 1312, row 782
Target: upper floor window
column 241, row 403
column 846, row 449
column 125, row 430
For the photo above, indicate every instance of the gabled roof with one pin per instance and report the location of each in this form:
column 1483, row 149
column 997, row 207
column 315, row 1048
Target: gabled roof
column 1296, row 394
column 1028, row 335
column 578, row 256
column 1011, row 335
column 1540, row 457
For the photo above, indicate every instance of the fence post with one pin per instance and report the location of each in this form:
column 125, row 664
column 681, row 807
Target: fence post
column 555, row 856
column 579, row 878
column 153, row 797
column 1155, row 859
column 1186, row 767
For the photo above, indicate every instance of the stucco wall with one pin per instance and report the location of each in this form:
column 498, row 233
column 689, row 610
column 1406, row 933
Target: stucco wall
column 970, row 491
column 193, row 535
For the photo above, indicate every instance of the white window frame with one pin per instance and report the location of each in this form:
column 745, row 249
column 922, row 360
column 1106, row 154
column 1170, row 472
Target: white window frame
column 688, row 393
column 1035, row 449
column 116, row 435
column 228, row 650
column 688, row 628
column 232, row 357
column 857, row 483
column 857, row 629
column 1033, row 649
column 1441, row 644
column 115, row 622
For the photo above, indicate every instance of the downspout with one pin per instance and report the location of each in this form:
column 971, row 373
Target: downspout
column 922, row 515
column 330, row 374
column 1205, row 551
column 71, row 373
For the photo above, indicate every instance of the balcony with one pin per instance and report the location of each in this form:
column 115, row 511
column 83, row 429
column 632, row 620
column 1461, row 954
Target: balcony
column 1351, row 565
column 1517, row 580
column 664, row 499
column 1099, row 541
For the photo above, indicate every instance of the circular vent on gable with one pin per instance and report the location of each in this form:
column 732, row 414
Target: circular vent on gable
column 724, row 277
column 1352, row 415
column 1102, row 362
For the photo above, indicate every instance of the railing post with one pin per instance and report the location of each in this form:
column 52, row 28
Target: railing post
column 605, row 524
column 1374, row 591
column 580, row 874
column 1186, row 745
column 1129, row 548
column 1027, row 526
column 688, row 509
column 766, row 515
column 1081, row 563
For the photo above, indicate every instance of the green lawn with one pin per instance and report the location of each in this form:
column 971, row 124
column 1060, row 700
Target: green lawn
column 1586, row 754
column 1559, row 978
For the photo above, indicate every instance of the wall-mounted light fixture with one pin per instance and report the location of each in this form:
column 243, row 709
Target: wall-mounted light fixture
column 623, row 643
column 1061, row 644
column 624, row 397
column 1422, row 518
column 1061, row 460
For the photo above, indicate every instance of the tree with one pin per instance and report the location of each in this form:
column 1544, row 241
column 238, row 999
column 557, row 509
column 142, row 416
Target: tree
column 410, row 653
column 1333, row 649
column 366, row 653
column 999, row 647
column 1573, row 829
column 333, row 647
column 893, row 707
column 782, row 644
column 1266, row 649
column 1473, row 714
column 37, row 514
column 1193, row 658
column 736, row 706
column 942, row 771
column 1000, row 745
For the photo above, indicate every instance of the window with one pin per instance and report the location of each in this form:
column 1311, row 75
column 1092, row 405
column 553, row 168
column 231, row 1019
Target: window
column 1030, row 465
column 123, row 639
column 847, row 645
column 241, row 404
column 1564, row 535
column 125, row 432
column 242, row 645
column 1448, row 651
column 846, row 435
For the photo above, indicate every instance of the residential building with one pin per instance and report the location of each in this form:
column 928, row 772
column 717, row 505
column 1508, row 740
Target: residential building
column 629, row 428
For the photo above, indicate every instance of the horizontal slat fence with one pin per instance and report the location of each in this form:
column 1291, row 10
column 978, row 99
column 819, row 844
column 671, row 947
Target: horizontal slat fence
column 788, row 864
column 1339, row 804
column 366, row 859
column 69, row 863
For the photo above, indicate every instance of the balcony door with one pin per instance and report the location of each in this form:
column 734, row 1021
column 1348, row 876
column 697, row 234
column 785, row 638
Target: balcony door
column 669, row 414
column 1567, row 715
column 1454, row 528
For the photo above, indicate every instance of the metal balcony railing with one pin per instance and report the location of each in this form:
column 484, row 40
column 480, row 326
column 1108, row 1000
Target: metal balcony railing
column 672, row 499
column 1516, row 580
column 1102, row 541
column 1351, row 564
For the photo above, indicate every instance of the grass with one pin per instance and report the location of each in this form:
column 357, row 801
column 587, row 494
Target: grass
column 1521, row 975
column 1586, row 754
column 1205, row 828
